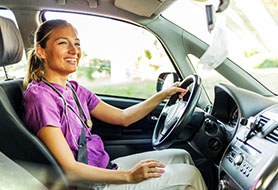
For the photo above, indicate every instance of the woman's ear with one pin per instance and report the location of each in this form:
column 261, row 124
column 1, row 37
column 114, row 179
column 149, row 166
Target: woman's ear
column 40, row 52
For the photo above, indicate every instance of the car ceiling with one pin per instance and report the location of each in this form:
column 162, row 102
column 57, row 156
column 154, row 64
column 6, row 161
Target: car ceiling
column 137, row 12
column 144, row 8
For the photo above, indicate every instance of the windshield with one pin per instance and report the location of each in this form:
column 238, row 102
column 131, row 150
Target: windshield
column 251, row 27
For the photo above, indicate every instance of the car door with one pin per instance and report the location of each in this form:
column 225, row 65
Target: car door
column 121, row 141
column 121, row 63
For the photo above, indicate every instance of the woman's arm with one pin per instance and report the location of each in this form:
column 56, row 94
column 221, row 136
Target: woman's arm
column 113, row 115
column 54, row 140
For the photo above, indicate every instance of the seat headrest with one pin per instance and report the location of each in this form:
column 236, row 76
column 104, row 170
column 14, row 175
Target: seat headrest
column 11, row 44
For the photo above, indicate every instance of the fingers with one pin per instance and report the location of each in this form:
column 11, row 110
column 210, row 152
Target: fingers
column 154, row 172
column 176, row 84
column 146, row 169
column 152, row 163
column 176, row 88
column 173, row 90
column 153, row 168
column 183, row 93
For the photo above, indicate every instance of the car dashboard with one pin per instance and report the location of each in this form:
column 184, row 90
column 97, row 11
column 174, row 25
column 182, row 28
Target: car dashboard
column 249, row 126
column 250, row 161
column 240, row 136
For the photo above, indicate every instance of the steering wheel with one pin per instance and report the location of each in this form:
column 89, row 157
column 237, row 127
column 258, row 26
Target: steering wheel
column 176, row 114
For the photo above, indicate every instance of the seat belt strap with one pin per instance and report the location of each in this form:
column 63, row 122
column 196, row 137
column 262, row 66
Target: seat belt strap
column 82, row 150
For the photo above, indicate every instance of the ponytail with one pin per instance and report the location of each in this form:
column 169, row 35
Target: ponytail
column 35, row 68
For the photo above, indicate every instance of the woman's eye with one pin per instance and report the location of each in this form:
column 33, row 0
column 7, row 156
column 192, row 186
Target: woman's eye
column 77, row 44
column 62, row 43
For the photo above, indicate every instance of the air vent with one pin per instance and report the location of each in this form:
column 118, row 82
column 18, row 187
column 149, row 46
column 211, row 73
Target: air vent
column 273, row 136
column 268, row 128
column 261, row 123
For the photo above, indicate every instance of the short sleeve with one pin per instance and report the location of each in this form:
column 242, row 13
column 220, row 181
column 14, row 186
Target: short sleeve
column 41, row 109
column 92, row 100
column 86, row 96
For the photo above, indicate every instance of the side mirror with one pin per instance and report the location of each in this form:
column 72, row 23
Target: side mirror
column 165, row 79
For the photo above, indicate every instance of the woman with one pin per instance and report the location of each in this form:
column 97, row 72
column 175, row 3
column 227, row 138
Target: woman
column 53, row 113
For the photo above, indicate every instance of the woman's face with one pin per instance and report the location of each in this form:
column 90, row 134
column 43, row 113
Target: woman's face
column 62, row 52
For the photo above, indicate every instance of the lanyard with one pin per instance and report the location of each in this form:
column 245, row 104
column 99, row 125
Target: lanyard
column 88, row 122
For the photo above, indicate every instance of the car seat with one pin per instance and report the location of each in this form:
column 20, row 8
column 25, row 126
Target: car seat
column 16, row 141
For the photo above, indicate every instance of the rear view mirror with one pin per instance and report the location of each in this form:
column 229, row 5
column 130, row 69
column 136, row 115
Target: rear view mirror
column 166, row 79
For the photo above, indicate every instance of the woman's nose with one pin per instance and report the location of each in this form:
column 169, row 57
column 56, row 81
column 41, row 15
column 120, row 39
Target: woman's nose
column 73, row 49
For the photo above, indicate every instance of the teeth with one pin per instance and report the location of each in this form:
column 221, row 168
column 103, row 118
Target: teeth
column 71, row 60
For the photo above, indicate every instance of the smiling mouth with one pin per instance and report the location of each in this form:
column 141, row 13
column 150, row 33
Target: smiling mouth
column 71, row 61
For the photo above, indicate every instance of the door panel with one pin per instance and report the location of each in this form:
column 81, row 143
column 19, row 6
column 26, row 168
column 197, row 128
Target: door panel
column 122, row 141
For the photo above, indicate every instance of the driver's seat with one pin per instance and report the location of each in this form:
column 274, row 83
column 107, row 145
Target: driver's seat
column 16, row 142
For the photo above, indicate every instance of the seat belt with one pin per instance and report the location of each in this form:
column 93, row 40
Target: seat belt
column 82, row 149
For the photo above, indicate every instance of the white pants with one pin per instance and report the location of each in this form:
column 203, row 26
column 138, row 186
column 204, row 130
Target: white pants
column 180, row 172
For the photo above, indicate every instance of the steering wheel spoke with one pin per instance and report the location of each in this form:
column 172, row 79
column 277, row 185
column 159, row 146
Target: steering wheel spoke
column 168, row 126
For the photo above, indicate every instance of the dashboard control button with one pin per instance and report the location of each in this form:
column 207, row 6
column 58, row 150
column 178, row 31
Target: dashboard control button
column 238, row 159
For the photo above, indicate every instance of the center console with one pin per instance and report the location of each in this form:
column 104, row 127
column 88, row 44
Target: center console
column 251, row 160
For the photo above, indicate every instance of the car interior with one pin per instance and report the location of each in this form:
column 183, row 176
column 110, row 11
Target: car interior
column 232, row 138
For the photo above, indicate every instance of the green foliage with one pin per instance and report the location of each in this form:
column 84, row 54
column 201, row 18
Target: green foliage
column 154, row 66
column 148, row 54
column 269, row 63
column 85, row 72
column 137, row 89
column 250, row 53
column 101, row 65
column 95, row 66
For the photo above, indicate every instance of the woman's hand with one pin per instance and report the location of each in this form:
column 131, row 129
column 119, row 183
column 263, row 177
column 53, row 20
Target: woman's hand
column 144, row 170
column 173, row 89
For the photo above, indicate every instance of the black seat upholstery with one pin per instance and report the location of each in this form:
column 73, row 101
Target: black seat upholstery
column 14, row 91
column 16, row 141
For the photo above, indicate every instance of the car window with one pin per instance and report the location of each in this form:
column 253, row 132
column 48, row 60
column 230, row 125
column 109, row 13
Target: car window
column 16, row 70
column 119, row 58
